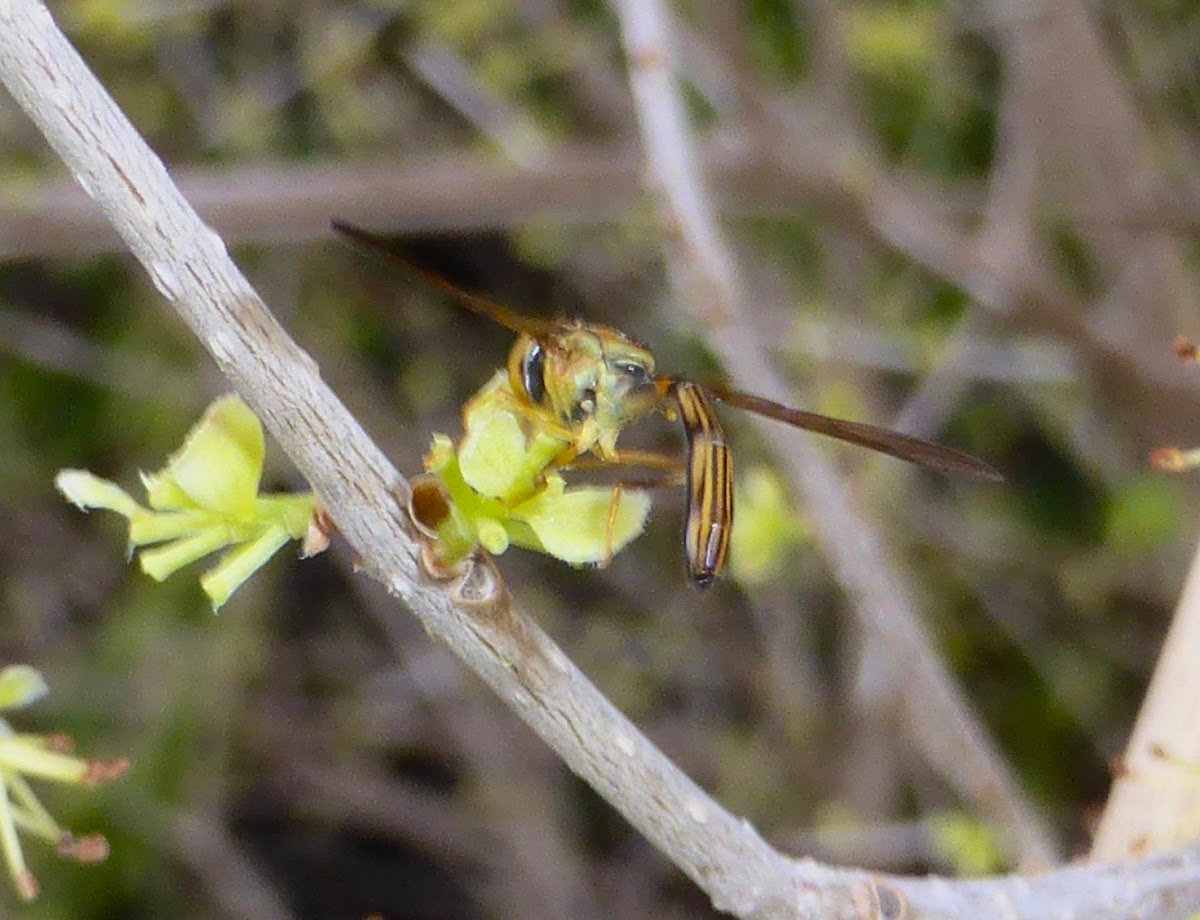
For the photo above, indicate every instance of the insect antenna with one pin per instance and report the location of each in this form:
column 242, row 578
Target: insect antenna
column 476, row 303
column 925, row 454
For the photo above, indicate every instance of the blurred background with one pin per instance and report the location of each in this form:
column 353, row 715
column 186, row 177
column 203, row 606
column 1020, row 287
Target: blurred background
column 972, row 221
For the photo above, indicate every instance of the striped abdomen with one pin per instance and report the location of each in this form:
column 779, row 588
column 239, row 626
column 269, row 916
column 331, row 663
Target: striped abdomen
column 709, row 485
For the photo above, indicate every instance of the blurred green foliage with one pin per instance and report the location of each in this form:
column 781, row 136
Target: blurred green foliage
column 966, row 843
column 1048, row 595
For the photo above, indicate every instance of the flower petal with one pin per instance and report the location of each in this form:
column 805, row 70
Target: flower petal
column 86, row 491
column 162, row 561
column 573, row 525
column 497, row 456
column 157, row 526
column 239, row 564
column 220, row 463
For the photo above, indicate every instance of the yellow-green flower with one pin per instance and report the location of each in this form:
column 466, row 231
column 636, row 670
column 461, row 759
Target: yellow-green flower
column 41, row 757
column 503, row 492
column 205, row 499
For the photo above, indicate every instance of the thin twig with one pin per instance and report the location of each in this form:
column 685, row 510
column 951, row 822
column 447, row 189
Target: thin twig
column 279, row 201
column 1155, row 802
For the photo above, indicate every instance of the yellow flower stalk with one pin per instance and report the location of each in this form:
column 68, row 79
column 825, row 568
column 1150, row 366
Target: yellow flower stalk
column 205, row 499
column 40, row 757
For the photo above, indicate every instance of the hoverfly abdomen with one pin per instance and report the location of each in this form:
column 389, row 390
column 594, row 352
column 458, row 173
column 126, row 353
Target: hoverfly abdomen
column 709, row 485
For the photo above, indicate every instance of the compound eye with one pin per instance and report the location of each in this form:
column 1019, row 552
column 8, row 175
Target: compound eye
column 533, row 373
column 638, row 375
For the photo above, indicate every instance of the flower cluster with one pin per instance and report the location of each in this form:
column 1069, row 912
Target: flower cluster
column 500, row 489
column 205, row 499
column 41, row 757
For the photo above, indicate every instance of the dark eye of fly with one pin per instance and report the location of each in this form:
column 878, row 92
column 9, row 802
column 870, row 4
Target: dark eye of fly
column 635, row 372
column 532, row 373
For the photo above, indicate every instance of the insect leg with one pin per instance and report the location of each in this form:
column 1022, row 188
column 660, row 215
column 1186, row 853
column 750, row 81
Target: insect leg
column 614, row 504
column 536, row 416
column 676, row 478
column 645, row 458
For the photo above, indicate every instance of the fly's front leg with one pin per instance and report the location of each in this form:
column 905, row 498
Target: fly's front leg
column 509, row 445
column 536, row 417
column 674, row 468
column 610, row 524
column 643, row 458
